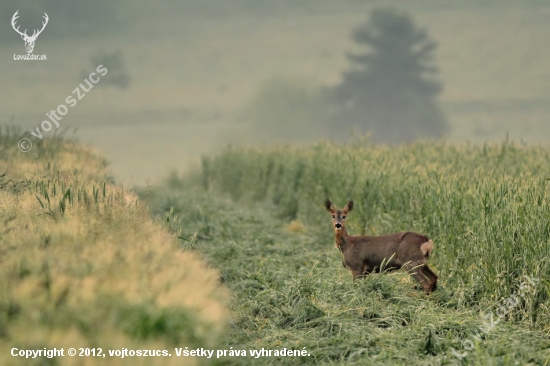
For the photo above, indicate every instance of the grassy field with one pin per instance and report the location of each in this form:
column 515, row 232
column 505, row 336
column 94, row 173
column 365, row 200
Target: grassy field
column 83, row 265
column 258, row 216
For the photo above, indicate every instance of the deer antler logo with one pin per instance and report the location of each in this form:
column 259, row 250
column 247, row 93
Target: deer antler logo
column 29, row 41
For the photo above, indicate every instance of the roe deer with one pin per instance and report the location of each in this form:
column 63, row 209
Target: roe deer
column 364, row 254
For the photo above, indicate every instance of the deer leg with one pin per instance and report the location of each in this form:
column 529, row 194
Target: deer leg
column 417, row 272
column 431, row 275
column 361, row 273
column 422, row 280
column 355, row 274
column 366, row 270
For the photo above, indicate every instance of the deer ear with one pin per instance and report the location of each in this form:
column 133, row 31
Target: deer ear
column 348, row 207
column 329, row 206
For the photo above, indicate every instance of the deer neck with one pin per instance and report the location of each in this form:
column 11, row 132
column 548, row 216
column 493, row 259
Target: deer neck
column 342, row 239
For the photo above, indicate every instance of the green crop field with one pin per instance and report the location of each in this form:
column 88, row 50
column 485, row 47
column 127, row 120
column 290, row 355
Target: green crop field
column 258, row 216
column 82, row 263
column 234, row 251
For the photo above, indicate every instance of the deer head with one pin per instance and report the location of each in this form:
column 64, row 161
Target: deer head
column 339, row 216
column 29, row 40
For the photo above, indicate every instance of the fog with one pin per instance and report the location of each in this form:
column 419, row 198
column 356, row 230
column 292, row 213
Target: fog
column 190, row 77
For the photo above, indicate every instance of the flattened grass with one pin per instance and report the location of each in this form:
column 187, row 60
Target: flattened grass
column 485, row 207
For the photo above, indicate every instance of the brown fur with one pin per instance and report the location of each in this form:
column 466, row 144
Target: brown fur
column 365, row 254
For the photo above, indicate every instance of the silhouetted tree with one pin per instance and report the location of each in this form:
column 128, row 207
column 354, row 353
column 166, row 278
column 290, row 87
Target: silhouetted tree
column 390, row 92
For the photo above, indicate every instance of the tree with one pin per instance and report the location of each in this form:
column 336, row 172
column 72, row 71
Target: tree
column 391, row 89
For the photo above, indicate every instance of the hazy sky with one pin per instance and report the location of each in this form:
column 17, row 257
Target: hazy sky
column 191, row 67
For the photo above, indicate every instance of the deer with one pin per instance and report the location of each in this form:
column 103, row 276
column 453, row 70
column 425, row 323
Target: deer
column 365, row 254
column 29, row 40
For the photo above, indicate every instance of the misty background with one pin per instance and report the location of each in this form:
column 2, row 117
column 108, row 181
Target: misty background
column 189, row 77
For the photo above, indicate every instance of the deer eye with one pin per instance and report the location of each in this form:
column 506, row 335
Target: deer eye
column 343, row 217
column 333, row 216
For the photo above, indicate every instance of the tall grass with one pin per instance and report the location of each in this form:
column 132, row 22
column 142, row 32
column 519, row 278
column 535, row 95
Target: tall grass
column 83, row 265
column 258, row 215
column 486, row 207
